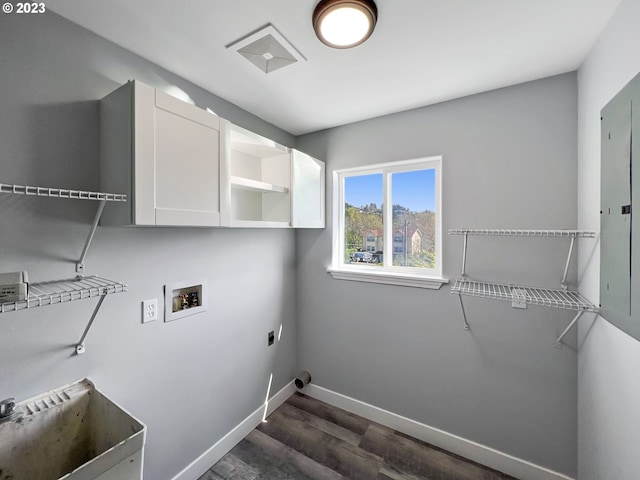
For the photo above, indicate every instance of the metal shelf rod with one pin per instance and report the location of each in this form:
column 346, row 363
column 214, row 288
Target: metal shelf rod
column 464, row 255
column 87, row 244
column 566, row 330
column 80, row 346
column 464, row 314
column 563, row 283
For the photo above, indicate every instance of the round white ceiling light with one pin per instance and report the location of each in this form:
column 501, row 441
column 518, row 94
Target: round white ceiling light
column 344, row 23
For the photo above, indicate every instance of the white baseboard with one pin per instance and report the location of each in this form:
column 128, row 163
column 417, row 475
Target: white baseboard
column 476, row 452
column 201, row 464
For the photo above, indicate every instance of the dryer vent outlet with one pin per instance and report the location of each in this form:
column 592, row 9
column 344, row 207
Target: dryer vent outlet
column 302, row 379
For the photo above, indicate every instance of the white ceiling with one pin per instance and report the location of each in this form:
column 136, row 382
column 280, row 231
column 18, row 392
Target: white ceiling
column 422, row 51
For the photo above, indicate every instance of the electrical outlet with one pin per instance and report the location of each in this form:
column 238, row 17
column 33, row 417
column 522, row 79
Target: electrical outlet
column 149, row 310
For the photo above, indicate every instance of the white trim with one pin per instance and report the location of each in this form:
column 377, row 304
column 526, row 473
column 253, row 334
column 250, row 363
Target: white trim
column 343, row 269
column 476, row 452
column 200, row 465
column 418, row 163
column 387, row 278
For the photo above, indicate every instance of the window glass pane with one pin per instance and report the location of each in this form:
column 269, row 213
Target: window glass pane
column 363, row 228
column 413, row 199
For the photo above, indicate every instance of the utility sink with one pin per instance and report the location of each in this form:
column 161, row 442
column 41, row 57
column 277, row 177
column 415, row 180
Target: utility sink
column 71, row 433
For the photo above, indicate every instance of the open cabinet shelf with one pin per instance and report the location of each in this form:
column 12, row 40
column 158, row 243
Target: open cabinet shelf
column 256, row 179
column 250, row 185
column 264, row 184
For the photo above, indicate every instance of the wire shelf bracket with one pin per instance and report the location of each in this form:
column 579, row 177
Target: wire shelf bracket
column 87, row 244
column 79, row 288
column 520, row 296
column 63, row 291
column 80, row 349
column 573, row 234
column 101, row 197
column 566, row 330
column 464, row 314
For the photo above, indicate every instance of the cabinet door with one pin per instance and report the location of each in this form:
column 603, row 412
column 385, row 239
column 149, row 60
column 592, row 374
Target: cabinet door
column 308, row 183
column 187, row 163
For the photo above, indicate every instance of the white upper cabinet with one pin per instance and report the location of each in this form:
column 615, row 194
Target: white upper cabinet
column 165, row 153
column 183, row 166
column 308, row 187
column 265, row 184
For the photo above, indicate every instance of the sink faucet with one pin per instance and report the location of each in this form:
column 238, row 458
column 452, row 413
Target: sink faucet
column 7, row 409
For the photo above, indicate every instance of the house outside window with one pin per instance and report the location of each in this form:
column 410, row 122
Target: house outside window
column 388, row 219
column 372, row 241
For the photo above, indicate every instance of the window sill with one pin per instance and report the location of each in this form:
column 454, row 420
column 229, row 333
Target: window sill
column 388, row 278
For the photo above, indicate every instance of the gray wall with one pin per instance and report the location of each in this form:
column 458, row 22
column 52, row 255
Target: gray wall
column 509, row 161
column 608, row 386
column 190, row 381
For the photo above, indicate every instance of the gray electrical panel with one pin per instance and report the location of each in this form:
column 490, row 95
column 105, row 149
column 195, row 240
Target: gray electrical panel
column 620, row 187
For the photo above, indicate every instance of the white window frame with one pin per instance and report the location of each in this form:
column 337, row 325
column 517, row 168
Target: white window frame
column 388, row 273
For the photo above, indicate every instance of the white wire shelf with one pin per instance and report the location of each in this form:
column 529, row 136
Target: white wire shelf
column 522, row 233
column 62, row 291
column 547, row 297
column 61, row 193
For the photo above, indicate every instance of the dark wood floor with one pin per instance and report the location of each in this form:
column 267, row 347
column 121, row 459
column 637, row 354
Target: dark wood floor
column 306, row 439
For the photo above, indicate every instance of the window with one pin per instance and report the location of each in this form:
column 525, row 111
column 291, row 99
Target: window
column 388, row 220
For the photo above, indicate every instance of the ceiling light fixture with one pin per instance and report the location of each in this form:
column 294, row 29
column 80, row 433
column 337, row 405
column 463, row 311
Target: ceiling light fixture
column 344, row 23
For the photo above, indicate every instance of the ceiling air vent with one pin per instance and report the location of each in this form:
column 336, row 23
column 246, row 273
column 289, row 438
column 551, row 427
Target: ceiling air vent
column 267, row 50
